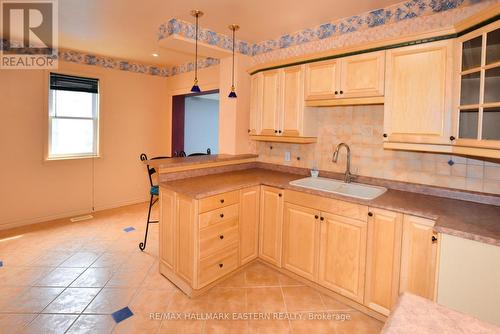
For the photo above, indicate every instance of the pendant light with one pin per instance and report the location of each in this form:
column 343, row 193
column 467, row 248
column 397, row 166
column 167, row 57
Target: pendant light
column 196, row 89
column 233, row 28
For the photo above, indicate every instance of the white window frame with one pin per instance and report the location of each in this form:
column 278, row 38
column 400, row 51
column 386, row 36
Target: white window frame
column 95, row 118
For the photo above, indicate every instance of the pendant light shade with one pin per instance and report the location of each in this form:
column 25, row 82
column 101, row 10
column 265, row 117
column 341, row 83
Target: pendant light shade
column 232, row 94
column 196, row 88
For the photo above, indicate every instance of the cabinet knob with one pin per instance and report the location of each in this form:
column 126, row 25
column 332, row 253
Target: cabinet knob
column 221, row 236
column 434, row 239
column 452, row 138
column 249, row 130
column 222, row 215
column 221, row 265
column 370, row 214
column 316, row 216
column 322, row 218
column 280, row 194
column 385, row 135
column 341, row 92
column 279, row 131
column 222, row 200
column 275, row 131
column 336, row 93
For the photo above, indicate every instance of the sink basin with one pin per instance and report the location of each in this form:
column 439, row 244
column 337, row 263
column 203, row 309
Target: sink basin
column 356, row 190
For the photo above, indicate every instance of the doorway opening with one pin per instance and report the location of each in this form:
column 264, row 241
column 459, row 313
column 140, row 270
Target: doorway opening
column 195, row 124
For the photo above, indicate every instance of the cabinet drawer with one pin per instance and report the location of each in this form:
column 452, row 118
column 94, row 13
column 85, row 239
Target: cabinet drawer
column 218, row 236
column 341, row 208
column 210, row 218
column 219, row 201
column 217, row 265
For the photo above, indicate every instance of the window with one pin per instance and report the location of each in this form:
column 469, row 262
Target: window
column 73, row 117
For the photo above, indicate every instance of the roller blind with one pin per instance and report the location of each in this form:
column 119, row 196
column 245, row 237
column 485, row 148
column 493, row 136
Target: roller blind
column 73, row 84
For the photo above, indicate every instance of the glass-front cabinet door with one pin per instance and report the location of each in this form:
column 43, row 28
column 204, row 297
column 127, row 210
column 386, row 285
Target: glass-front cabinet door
column 478, row 107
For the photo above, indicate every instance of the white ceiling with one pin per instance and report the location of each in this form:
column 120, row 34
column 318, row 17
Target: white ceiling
column 128, row 28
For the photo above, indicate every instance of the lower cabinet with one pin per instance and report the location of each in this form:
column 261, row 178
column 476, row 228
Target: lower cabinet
column 249, row 223
column 342, row 255
column 383, row 257
column 366, row 254
column 300, row 240
column 271, row 224
column 419, row 257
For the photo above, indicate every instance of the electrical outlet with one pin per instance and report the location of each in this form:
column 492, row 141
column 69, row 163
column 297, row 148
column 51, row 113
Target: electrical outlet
column 288, row 156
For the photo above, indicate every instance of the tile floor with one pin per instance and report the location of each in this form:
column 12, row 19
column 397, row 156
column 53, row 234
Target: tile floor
column 63, row 277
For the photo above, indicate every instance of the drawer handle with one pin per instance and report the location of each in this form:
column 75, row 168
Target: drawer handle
column 221, row 236
column 222, row 215
column 221, row 265
column 222, row 200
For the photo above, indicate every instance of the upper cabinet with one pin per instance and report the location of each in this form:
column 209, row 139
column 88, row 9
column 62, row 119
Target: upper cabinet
column 418, row 94
column 477, row 118
column 277, row 112
column 344, row 79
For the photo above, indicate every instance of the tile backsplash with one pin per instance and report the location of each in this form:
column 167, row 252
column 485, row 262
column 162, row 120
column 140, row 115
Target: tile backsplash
column 362, row 127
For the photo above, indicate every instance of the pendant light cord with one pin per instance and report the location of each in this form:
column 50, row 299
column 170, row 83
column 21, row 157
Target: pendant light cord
column 233, row 58
column 196, row 52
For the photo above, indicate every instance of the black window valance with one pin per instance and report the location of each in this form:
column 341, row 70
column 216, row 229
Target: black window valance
column 74, row 84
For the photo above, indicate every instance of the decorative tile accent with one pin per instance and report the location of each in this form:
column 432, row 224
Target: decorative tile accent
column 130, row 66
column 393, row 14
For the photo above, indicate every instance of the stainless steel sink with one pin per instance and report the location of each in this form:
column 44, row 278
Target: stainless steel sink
column 356, row 190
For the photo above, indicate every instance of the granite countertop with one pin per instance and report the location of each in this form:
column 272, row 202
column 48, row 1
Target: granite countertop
column 199, row 159
column 470, row 220
column 417, row 315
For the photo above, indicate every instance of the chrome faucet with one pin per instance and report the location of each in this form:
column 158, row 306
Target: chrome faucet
column 347, row 175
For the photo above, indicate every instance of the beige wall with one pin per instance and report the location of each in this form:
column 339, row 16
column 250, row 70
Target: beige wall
column 362, row 128
column 134, row 119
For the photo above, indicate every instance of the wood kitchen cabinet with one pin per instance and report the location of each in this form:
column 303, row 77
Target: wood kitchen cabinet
column 419, row 257
column 383, row 259
column 271, row 107
column 301, row 240
column 321, row 80
column 418, row 96
column 249, row 223
column 168, row 227
column 360, row 76
column 185, row 226
column 256, row 93
column 277, row 111
column 477, row 88
column 343, row 255
column 271, row 225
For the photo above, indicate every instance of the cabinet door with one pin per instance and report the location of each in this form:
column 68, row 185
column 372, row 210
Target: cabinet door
column 271, row 223
column 418, row 257
column 185, row 223
column 255, row 103
column 362, row 75
column 249, row 223
column 321, row 80
column 383, row 259
column 301, row 240
column 293, row 101
column 270, row 102
column 418, row 94
column 342, row 256
column 167, row 227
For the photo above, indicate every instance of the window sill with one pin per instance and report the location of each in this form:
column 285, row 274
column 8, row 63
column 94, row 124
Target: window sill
column 73, row 157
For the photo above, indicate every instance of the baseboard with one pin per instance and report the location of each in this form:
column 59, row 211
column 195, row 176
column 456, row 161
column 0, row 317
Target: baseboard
column 68, row 214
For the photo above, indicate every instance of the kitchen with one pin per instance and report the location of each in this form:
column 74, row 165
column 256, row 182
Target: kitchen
column 353, row 184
